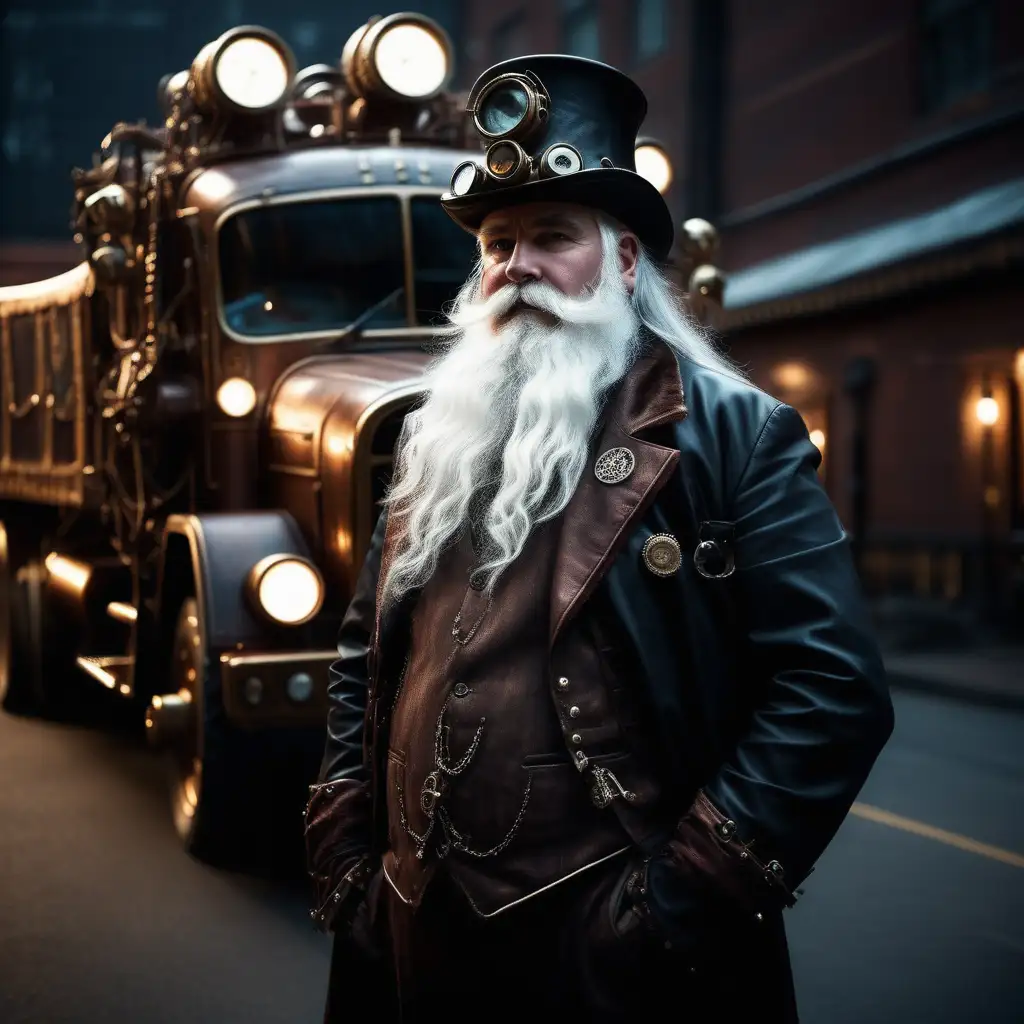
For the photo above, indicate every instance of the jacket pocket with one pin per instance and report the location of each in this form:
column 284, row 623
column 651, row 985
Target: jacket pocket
column 552, row 760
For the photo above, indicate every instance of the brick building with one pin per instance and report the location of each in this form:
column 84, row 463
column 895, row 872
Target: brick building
column 864, row 163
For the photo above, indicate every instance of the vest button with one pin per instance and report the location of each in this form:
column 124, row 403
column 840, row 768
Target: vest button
column 461, row 689
column 563, row 683
column 574, row 712
column 577, row 738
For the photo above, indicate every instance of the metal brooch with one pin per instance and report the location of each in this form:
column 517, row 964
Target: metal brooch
column 614, row 466
column 662, row 554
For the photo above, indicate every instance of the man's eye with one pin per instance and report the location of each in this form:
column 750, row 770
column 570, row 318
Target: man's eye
column 499, row 245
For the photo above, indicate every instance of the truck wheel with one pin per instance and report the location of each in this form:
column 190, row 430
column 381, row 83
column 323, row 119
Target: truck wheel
column 193, row 729
column 20, row 629
column 37, row 664
column 229, row 806
column 6, row 639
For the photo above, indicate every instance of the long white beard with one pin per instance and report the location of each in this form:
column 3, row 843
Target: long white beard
column 511, row 406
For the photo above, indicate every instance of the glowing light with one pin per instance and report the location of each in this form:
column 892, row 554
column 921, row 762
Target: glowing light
column 818, row 439
column 987, row 411
column 236, row 397
column 252, row 73
column 652, row 163
column 791, row 376
column 75, row 574
column 290, row 591
column 411, row 60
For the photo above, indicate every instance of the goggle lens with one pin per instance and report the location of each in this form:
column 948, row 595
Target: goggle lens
column 504, row 109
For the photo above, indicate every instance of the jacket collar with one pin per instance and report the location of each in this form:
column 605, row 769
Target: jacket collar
column 600, row 516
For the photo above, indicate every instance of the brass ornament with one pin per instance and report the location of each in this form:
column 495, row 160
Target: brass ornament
column 699, row 240
column 707, row 283
column 614, row 466
column 662, row 554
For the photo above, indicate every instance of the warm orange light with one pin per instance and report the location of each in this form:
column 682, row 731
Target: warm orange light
column 791, row 376
column 75, row 575
column 236, row 397
column 987, row 411
column 818, row 439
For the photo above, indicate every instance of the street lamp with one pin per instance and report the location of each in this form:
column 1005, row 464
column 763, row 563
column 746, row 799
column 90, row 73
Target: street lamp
column 987, row 411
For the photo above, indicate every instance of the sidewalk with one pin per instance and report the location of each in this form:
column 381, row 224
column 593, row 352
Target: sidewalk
column 985, row 675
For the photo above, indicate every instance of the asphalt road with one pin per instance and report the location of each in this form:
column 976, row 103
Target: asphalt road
column 914, row 915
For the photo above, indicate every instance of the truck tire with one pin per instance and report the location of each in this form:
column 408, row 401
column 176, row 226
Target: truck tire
column 38, row 675
column 226, row 807
column 200, row 802
column 21, row 669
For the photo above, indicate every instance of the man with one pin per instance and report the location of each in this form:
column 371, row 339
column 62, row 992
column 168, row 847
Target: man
column 607, row 686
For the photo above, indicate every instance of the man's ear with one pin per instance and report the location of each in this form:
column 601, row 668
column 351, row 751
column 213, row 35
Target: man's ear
column 629, row 254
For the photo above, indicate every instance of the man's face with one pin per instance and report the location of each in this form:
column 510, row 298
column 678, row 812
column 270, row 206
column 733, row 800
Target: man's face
column 557, row 243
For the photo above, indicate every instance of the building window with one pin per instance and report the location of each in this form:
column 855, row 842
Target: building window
column 956, row 51
column 649, row 27
column 579, row 28
column 508, row 38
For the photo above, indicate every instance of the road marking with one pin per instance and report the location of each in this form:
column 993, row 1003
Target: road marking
column 919, row 828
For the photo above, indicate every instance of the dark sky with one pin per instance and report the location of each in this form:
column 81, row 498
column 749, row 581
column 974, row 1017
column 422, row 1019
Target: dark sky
column 70, row 69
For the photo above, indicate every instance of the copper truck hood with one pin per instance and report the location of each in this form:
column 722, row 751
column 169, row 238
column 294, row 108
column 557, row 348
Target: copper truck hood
column 320, row 457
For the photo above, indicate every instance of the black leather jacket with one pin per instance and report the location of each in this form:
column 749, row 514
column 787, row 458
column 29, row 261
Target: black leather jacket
column 767, row 687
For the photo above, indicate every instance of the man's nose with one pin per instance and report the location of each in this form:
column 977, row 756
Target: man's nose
column 522, row 265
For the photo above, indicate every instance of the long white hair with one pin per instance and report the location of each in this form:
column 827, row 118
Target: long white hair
column 511, row 406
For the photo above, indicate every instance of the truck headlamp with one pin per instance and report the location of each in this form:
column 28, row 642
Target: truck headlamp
column 652, row 163
column 236, row 397
column 401, row 57
column 248, row 69
column 287, row 589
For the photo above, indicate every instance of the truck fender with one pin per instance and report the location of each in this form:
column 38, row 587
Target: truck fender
column 213, row 553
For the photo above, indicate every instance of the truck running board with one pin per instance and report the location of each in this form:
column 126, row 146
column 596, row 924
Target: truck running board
column 112, row 672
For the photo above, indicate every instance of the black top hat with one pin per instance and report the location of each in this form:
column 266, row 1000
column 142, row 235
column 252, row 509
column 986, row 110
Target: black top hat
column 559, row 129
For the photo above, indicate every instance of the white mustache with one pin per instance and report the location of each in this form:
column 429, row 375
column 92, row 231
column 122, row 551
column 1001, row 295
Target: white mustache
column 588, row 308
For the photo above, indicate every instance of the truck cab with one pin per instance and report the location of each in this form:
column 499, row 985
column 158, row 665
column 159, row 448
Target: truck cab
column 198, row 421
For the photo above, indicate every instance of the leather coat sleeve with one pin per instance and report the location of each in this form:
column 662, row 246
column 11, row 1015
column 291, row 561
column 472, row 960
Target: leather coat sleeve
column 821, row 707
column 338, row 825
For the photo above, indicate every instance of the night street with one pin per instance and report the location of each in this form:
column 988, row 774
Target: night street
column 102, row 918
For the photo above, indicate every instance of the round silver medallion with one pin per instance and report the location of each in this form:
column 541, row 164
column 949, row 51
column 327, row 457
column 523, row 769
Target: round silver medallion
column 614, row 466
column 662, row 554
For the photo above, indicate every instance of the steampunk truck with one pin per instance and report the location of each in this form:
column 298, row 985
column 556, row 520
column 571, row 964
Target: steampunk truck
column 197, row 422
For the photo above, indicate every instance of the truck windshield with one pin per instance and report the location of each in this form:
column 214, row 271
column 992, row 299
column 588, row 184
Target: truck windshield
column 302, row 267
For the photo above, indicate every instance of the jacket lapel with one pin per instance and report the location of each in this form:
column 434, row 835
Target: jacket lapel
column 600, row 516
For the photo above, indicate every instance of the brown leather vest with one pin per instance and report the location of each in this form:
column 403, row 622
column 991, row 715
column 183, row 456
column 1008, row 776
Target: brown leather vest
column 479, row 777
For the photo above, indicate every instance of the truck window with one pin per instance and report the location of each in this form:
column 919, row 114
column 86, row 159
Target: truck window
column 443, row 255
column 301, row 267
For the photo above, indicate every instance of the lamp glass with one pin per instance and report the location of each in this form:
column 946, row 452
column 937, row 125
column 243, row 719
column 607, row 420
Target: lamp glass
column 411, row 60
column 652, row 163
column 236, row 397
column 289, row 591
column 252, row 73
column 987, row 411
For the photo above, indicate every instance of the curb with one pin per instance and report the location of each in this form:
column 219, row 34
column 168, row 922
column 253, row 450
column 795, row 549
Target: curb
column 1007, row 700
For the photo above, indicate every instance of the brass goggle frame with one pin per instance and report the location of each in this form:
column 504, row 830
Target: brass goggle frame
column 557, row 160
column 538, row 106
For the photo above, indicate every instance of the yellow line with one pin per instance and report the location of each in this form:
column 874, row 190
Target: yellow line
column 939, row 834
